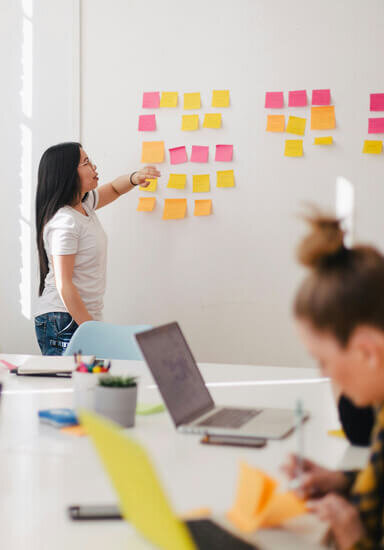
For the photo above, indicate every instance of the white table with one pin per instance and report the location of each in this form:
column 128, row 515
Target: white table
column 42, row 471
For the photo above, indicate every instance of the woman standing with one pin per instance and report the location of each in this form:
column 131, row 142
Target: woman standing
column 71, row 242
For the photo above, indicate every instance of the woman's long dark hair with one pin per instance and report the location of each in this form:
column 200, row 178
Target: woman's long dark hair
column 58, row 185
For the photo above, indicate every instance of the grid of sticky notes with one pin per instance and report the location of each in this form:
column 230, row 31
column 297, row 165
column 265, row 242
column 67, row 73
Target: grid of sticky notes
column 154, row 151
column 322, row 118
column 375, row 125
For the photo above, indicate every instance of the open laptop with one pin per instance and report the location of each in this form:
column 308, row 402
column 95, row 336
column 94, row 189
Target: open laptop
column 142, row 499
column 187, row 398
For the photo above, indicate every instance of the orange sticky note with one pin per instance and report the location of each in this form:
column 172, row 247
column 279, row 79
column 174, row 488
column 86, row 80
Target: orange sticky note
column 225, row 178
column 174, row 209
column 146, row 204
column 323, row 118
column 152, row 151
column 275, row 123
column 78, row 431
column 280, row 508
column 203, row 208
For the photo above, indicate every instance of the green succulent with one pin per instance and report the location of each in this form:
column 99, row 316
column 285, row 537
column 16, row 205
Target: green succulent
column 118, row 381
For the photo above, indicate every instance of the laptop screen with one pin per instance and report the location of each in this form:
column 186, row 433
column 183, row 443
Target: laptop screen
column 175, row 371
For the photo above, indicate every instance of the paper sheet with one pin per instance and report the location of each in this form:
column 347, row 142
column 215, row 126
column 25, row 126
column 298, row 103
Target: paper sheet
column 323, row 118
column 203, row 207
column 177, row 181
column 192, row 100
column 274, row 100
column 296, row 125
column 372, row 147
column 201, row 183
column 225, row 178
column 152, row 151
column 189, row 122
column 169, row 99
column 224, row 153
column 220, row 98
column 275, row 123
column 174, row 209
column 376, row 125
column 212, row 120
column 297, row 98
column 293, row 148
column 178, row 155
column 326, row 140
column 146, row 204
column 377, row 102
column 199, row 153
column 321, row 97
column 151, row 188
column 147, row 123
column 151, row 100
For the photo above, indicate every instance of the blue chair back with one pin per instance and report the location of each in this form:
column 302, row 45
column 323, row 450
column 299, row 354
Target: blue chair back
column 106, row 341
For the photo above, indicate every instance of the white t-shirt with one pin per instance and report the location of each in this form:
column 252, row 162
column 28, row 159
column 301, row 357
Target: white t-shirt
column 70, row 232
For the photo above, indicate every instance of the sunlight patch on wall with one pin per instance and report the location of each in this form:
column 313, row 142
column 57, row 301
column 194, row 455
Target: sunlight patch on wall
column 345, row 207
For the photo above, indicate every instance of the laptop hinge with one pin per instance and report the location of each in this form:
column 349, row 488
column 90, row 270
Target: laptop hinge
column 195, row 415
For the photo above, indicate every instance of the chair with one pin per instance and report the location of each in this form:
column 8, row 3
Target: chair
column 106, row 341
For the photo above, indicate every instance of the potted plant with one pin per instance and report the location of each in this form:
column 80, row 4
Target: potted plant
column 116, row 397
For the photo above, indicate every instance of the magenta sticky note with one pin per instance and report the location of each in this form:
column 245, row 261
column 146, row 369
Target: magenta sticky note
column 377, row 102
column 199, row 153
column 224, row 153
column 147, row 123
column 151, row 100
column 178, row 155
column 274, row 100
column 321, row 97
column 376, row 126
column 297, row 98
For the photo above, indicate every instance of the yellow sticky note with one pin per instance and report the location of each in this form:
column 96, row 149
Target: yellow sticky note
column 323, row 118
column 174, row 209
column 190, row 122
column 152, row 151
column 280, row 508
column 151, row 187
column 225, row 178
column 201, row 183
column 192, row 101
column 337, row 433
column 296, row 125
column 168, row 99
column 220, row 98
column 212, row 120
column 372, row 147
column 203, row 208
column 293, row 148
column 275, row 123
column 146, row 204
column 326, row 140
column 177, row 181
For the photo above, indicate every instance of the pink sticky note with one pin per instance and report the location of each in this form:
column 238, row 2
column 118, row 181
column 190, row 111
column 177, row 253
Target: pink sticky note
column 297, row 98
column 199, row 153
column 377, row 102
column 224, row 153
column 178, row 155
column 274, row 100
column 151, row 100
column 321, row 97
column 376, row 126
column 147, row 123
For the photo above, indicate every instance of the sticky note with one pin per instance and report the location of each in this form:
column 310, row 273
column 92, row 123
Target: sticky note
column 372, row 147
column 377, row 102
column 220, row 98
column 212, row 120
column 321, row 97
column 203, row 207
column 151, row 187
column 224, row 153
column 199, row 153
column 168, row 99
column 146, row 204
column 152, row 151
column 376, row 126
column 296, row 125
column 178, row 155
column 326, row 140
column 151, row 100
column 275, row 123
column 192, row 101
column 201, row 183
column 323, row 118
column 337, row 433
column 274, row 100
column 174, row 209
column 297, row 98
column 78, row 431
column 147, row 123
column 190, row 122
column 293, row 148
column 177, row 181
column 280, row 508
column 225, row 178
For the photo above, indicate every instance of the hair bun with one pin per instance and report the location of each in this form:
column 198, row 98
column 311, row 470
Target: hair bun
column 324, row 242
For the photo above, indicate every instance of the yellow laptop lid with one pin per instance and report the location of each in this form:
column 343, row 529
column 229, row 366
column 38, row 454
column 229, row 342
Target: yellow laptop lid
column 142, row 499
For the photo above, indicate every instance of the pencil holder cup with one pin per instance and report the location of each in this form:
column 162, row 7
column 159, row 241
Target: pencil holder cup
column 84, row 385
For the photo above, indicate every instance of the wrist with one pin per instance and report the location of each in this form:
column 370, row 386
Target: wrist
column 131, row 179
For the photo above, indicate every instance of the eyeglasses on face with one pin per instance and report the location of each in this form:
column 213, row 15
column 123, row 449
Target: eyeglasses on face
column 87, row 162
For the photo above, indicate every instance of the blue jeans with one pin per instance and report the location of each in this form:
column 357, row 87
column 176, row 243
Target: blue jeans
column 54, row 331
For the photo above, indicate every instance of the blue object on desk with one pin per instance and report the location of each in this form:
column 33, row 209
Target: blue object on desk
column 60, row 418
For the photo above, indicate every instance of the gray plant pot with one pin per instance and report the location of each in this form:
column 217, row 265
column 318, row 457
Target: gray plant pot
column 118, row 404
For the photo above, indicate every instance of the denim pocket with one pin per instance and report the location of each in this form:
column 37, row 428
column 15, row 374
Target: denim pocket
column 64, row 324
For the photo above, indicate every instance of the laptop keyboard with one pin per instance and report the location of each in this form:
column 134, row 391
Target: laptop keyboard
column 210, row 536
column 229, row 418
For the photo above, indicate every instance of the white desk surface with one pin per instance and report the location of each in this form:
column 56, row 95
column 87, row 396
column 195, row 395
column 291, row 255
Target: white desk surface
column 42, row 471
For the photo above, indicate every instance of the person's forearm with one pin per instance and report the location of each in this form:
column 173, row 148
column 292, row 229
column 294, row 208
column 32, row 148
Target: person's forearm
column 122, row 184
column 74, row 304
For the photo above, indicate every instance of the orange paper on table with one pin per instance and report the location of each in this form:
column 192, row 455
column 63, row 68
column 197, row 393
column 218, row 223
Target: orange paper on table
column 203, row 207
column 323, row 118
column 152, row 151
column 174, row 209
column 146, row 204
column 275, row 123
